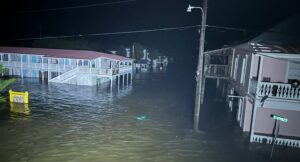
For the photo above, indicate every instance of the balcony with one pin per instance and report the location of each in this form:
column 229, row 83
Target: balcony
column 278, row 90
column 216, row 71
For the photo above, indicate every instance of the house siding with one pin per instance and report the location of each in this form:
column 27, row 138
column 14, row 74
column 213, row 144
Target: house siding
column 275, row 69
column 265, row 124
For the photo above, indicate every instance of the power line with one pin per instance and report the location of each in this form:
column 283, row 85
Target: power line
column 111, row 33
column 147, row 31
column 73, row 7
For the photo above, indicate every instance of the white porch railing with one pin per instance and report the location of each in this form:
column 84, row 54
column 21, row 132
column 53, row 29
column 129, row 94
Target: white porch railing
column 125, row 69
column 279, row 141
column 278, row 90
column 98, row 71
column 216, row 70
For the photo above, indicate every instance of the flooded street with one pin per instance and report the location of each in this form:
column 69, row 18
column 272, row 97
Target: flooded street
column 80, row 123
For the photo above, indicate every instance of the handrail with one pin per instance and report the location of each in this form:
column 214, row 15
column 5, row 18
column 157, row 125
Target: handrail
column 278, row 90
column 64, row 76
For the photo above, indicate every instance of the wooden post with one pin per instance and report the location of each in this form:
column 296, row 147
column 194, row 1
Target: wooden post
column 199, row 73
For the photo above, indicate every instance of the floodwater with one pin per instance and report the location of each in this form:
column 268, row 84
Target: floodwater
column 79, row 123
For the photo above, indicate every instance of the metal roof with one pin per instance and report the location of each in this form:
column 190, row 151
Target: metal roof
column 268, row 48
column 61, row 53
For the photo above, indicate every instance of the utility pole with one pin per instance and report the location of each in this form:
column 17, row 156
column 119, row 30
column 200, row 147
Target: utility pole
column 199, row 73
column 132, row 51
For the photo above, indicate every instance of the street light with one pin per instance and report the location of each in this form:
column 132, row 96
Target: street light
column 199, row 72
column 189, row 9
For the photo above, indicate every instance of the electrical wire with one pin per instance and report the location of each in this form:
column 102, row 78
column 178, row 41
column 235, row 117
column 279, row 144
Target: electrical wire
column 72, row 7
column 146, row 31
column 112, row 33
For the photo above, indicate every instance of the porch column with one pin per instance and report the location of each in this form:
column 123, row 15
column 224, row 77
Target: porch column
column 261, row 62
column 231, row 100
column 90, row 66
column 118, row 81
column 223, row 88
column 22, row 66
column 232, row 63
column 111, row 82
column 242, row 111
column 255, row 105
column 127, row 78
column 251, row 71
column 256, row 102
column 123, row 78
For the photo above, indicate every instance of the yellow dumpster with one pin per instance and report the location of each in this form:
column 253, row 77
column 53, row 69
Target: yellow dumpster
column 19, row 97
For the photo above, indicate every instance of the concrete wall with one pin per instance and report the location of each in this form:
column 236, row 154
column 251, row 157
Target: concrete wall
column 265, row 124
column 275, row 69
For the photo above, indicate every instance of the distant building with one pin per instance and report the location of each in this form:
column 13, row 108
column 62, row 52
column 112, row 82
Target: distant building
column 160, row 62
column 143, row 65
column 79, row 67
column 262, row 78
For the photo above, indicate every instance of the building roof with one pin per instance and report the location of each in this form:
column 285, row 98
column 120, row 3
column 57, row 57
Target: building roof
column 272, row 48
column 282, row 52
column 61, row 53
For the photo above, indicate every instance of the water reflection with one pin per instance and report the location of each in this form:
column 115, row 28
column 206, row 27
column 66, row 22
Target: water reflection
column 19, row 108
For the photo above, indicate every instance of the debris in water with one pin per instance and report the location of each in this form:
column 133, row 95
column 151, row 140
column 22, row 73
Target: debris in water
column 143, row 118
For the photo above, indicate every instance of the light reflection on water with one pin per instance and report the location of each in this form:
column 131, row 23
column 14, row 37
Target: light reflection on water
column 79, row 123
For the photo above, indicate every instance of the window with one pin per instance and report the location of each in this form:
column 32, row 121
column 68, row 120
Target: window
column 39, row 59
column 85, row 62
column 34, row 73
column 80, row 63
column 33, row 59
column 67, row 62
column 15, row 58
column 24, row 58
column 54, row 61
column 45, row 60
column 5, row 57
column 61, row 61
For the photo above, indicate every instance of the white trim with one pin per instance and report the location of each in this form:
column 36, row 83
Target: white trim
column 242, row 80
column 232, row 63
column 261, row 62
column 236, row 64
column 287, row 72
column 251, row 71
column 280, row 55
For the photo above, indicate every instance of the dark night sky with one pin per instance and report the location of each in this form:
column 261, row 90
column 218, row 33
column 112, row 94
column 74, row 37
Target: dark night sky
column 255, row 15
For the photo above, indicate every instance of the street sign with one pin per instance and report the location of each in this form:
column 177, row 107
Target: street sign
column 276, row 117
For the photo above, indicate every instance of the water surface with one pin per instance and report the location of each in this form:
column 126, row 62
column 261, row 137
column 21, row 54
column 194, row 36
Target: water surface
column 81, row 123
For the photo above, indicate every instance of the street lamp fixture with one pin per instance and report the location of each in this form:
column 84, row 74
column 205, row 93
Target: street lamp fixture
column 190, row 8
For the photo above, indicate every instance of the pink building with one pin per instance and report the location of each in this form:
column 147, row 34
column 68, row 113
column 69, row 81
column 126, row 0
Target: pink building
column 258, row 77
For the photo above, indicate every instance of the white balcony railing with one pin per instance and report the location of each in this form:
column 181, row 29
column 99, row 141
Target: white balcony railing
column 278, row 90
column 215, row 70
column 125, row 69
